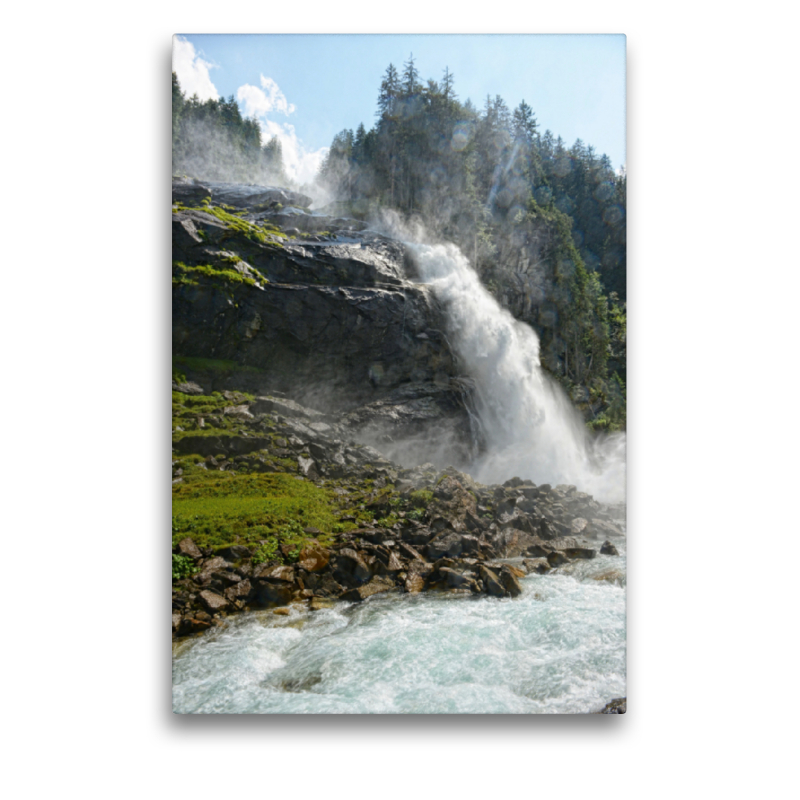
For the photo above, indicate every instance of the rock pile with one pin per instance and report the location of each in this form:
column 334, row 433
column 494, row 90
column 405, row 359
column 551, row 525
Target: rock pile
column 457, row 543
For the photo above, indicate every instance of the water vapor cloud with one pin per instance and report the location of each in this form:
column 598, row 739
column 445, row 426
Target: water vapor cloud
column 301, row 164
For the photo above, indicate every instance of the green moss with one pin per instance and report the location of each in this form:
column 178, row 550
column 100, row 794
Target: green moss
column 181, row 273
column 260, row 233
column 422, row 498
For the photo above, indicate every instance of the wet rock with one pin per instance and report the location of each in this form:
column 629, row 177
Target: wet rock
column 176, row 622
column 417, row 576
column 444, row 544
column 268, row 594
column 213, row 602
column 491, row 582
column 238, row 591
column 189, row 192
column 322, row 584
column 190, row 625
column 377, row 585
column 350, row 567
column 557, row 559
column 580, row 552
column 537, row 565
column 611, row 576
column 608, row 549
column 616, row 706
column 509, row 580
column 406, row 551
column 318, row 603
column 456, row 579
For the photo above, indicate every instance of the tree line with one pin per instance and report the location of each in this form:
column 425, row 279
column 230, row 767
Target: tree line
column 212, row 140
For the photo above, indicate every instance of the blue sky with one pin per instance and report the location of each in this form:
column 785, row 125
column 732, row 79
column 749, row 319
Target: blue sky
column 306, row 88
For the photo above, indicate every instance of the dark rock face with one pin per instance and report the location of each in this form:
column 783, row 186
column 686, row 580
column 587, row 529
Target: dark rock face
column 338, row 322
column 189, row 192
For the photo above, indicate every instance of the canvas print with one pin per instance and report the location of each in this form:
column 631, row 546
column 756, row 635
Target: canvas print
column 398, row 374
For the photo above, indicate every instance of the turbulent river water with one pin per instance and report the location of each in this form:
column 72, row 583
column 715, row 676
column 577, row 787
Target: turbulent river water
column 557, row 648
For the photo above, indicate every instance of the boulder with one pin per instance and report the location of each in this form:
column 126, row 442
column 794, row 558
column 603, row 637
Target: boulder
column 580, row 552
column 279, row 574
column 213, row 602
column 508, row 579
column 186, row 547
column 608, row 549
column 268, row 594
column 314, row 557
column 491, row 582
column 349, row 567
column 376, row 586
column 191, row 625
column 557, row 559
column 236, row 552
column 537, row 565
column 579, row 526
column 187, row 387
column 238, row 591
column 617, row 706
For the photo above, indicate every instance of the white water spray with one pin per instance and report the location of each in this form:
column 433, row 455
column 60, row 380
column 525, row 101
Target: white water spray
column 531, row 429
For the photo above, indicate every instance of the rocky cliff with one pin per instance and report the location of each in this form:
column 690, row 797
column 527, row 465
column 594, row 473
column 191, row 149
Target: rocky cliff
column 321, row 308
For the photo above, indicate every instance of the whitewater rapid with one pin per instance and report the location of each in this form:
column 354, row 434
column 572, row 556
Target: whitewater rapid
column 528, row 425
column 557, row 648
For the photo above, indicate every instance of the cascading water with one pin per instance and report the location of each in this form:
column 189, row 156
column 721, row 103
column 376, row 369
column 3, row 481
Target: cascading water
column 531, row 429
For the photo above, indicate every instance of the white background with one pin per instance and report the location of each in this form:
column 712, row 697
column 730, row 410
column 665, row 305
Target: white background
column 713, row 183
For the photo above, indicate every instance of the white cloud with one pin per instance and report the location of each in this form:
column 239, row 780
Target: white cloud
column 301, row 164
column 257, row 101
column 192, row 71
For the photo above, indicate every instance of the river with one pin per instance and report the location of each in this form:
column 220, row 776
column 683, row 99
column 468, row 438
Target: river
column 557, row 648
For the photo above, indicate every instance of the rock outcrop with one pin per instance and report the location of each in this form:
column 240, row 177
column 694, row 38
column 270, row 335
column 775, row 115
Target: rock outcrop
column 333, row 318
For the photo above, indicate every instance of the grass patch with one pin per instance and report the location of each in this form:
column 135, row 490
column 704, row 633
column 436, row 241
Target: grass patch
column 219, row 509
column 422, row 498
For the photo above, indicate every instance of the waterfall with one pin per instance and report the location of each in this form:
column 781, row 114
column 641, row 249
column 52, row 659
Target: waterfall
column 531, row 429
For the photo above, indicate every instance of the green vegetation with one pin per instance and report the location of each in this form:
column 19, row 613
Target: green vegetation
column 182, row 567
column 188, row 409
column 422, row 498
column 218, row 509
column 181, row 273
column 263, row 233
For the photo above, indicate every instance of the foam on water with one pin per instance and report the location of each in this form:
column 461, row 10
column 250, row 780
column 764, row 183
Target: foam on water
column 558, row 648
column 530, row 428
